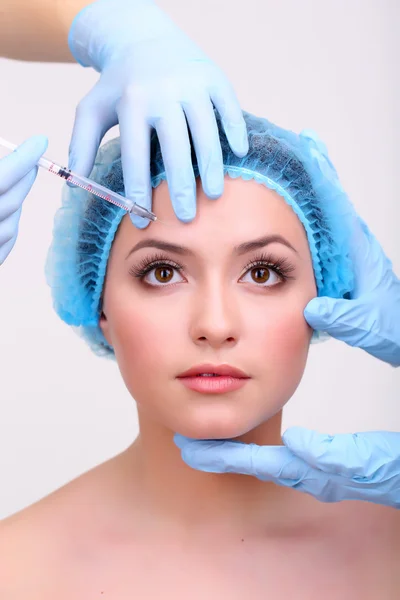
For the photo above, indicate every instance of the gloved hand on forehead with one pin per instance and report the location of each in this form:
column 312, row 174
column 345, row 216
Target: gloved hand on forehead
column 18, row 172
column 152, row 75
column 370, row 319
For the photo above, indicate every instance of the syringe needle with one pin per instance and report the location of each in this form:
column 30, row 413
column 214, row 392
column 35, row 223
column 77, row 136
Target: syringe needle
column 90, row 186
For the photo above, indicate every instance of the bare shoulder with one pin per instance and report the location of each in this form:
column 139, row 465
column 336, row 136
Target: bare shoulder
column 372, row 532
column 37, row 542
column 368, row 521
column 374, row 517
column 379, row 529
column 22, row 549
column 25, row 549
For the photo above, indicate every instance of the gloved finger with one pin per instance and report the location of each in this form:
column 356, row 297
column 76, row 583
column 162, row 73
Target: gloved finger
column 93, row 118
column 325, row 487
column 16, row 165
column 135, row 152
column 268, row 463
column 8, row 234
column 345, row 454
column 174, row 141
column 371, row 262
column 340, row 318
column 225, row 101
column 11, row 201
column 181, row 440
column 277, row 464
column 360, row 323
column 204, row 130
column 6, row 248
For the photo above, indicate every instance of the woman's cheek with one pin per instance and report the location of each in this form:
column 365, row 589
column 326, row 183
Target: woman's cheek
column 138, row 336
column 143, row 342
column 285, row 338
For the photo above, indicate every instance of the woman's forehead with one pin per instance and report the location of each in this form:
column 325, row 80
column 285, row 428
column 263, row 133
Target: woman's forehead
column 245, row 211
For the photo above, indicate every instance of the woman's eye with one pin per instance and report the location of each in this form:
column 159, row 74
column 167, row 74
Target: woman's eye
column 262, row 275
column 162, row 274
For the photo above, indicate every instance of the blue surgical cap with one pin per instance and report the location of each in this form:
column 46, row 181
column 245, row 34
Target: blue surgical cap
column 296, row 166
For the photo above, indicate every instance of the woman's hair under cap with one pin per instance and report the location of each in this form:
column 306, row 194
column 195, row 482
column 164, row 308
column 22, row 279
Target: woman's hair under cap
column 295, row 165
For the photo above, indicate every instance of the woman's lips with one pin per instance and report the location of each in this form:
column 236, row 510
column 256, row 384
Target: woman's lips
column 213, row 385
column 213, row 379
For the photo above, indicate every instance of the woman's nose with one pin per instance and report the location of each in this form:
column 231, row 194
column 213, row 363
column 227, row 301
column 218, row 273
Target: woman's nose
column 215, row 320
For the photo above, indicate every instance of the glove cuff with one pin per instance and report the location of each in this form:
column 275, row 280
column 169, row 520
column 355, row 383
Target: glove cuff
column 94, row 26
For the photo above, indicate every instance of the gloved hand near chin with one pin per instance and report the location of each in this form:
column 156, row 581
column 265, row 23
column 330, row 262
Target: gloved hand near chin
column 360, row 466
column 18, row 172
column 152, row 75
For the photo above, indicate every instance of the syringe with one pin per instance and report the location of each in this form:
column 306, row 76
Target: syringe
column 89, row 185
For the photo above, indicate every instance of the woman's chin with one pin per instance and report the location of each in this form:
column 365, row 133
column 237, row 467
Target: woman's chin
column 219, row 430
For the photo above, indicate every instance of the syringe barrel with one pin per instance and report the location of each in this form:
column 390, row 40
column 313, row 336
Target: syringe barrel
column 47, row 164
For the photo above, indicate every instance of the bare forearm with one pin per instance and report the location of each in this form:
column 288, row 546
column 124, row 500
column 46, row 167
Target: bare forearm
column 37, row 30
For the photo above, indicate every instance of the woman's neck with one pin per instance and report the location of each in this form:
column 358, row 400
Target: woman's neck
column 173, row 494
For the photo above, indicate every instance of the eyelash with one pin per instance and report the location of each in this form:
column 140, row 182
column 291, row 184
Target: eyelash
column 282, row 267
column 146, row 265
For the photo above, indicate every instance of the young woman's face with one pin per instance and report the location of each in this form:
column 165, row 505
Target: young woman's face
column 227, row 289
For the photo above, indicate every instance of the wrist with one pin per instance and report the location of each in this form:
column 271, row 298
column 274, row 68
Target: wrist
column 66, row 11
column 93, row 29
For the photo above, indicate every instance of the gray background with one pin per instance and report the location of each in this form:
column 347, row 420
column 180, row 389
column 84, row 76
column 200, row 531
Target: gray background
column 331, row 66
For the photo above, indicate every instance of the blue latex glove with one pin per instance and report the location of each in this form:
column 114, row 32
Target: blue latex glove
column 17, row 174
column 370, row 319
column 360, row 466
column 152, row 75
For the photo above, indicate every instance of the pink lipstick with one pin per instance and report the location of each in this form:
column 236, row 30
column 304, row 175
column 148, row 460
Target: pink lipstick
column 213, row 379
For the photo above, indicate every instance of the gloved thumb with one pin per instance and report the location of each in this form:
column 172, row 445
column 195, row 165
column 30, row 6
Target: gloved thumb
column 344, row 454
column 312, row 446
column 331, row 315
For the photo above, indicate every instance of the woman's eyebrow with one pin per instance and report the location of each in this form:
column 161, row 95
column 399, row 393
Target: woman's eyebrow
column 183, row 250
column 261, row 242
column 161, row 245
